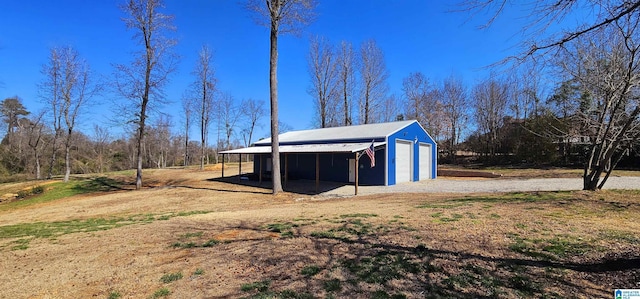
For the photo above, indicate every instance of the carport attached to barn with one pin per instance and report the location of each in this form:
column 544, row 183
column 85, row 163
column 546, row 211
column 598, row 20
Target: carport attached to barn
column 320, row 162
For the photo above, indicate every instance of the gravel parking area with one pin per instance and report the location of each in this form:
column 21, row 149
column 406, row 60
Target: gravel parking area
column 457, row 185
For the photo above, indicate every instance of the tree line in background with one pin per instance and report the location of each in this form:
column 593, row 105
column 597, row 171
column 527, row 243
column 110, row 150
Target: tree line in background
column 504, row 119
column 49, row 142
column 29, row 149
column 581, row 108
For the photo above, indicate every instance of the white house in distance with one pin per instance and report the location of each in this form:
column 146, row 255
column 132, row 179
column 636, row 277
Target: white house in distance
column 404, row 152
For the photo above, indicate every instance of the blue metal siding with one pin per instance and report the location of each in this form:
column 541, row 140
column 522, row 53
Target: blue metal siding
column 391, row 157
column 416, row 134
column 368, row 175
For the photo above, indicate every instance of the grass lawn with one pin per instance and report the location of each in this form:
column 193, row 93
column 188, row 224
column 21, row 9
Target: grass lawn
column 199, row 238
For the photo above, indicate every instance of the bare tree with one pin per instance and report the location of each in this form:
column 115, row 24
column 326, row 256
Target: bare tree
column 390, row 109
column 228, row 114
column 423, row 102
column 281, row 16
column 607, row 70
column 322, row 70
column 345, row 61
column 187, row 109
column 204, row 88
column 416, row 88
column 490, row 97
column 542, row 14
column 435, row 120
column 252, row 110
column 373, row 74
column 455, row 109
column 158, row 142
column 102, row 139
column 50, row 92
column 142, row 81
column 609, row 31
column 285, row 127
column 76, row 89
column 35, row 131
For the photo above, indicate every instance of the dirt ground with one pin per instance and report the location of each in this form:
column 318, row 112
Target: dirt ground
column 229, row 241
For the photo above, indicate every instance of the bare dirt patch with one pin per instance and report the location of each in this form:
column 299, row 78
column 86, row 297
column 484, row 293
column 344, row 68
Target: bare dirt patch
column 229, row 241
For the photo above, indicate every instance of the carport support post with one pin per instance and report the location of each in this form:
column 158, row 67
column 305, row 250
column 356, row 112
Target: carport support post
column 222, row 165
column 260, row 169
column 240, row 167
column 356, row 161
column 286, row 169
column 317, row 172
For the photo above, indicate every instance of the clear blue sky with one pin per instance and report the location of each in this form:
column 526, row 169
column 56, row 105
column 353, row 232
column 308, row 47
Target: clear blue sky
column 414, row 35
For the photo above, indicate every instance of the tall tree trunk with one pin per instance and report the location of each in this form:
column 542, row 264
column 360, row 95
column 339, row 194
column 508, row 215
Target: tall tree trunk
column 52, row 161
column 273, row 84
column 67, row 162
column 37, row 158
column 366, row 106
column 347, row 119
column 143, row 108
column 203, row 129
column 139, row 154
column 140, row 137
column 186, row 145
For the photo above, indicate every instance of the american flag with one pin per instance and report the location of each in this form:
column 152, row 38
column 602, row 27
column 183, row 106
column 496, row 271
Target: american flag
column 371, row 153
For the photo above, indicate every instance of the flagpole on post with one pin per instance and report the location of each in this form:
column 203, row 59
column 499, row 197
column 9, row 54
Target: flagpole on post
column 371, row 152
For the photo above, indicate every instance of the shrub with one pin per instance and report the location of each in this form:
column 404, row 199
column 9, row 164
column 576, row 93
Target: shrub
column 37, row 190
column 22, row 194
column 167, row 278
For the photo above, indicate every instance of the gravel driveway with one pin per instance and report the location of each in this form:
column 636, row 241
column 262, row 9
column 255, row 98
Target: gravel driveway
column 451, row 185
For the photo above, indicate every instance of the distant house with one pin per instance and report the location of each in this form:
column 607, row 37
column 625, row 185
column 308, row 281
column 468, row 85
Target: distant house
column 404, row 152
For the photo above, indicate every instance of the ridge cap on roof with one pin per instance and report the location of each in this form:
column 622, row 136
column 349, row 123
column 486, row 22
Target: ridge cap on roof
column 337, row 130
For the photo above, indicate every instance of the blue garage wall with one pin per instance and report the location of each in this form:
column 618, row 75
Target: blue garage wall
column 368, row 175
column 416, row 134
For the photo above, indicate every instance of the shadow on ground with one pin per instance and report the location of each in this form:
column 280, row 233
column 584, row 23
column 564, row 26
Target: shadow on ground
column 99, row 184
column 359, row 262
column 306, row 187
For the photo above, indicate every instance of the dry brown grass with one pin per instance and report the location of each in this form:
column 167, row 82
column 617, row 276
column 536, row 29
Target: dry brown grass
column 565, row 244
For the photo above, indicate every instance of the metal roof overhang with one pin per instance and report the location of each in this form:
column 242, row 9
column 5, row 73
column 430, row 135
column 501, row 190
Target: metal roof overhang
column 307, row 148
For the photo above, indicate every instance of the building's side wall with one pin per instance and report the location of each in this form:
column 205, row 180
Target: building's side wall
column 333, row 167
column 416, row 134
column 368, row 175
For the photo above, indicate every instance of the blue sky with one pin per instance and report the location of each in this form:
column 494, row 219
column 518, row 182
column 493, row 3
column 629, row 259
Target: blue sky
column 414, row 35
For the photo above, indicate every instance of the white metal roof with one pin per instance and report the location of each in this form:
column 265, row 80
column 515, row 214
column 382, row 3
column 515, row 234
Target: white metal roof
column 307, row 148
column 369, row 131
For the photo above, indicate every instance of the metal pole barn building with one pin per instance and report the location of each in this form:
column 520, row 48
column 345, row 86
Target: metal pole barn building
column 403, row 152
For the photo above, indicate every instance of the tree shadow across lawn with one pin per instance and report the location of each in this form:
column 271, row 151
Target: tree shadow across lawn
column 305, row 187
column 99, row 184
column 357, row 262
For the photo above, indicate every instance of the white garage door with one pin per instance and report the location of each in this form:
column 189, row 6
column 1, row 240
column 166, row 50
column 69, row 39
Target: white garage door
column 403, row 161
column 425, row 161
